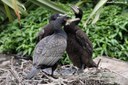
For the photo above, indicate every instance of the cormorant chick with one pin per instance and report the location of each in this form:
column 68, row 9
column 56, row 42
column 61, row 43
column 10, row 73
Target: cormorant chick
column 47, row 30
column 50, row 49
column 79, row 47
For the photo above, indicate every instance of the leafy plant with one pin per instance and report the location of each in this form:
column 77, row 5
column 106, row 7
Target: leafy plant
column 21, row 38
column 19, row 8
column 109, row 34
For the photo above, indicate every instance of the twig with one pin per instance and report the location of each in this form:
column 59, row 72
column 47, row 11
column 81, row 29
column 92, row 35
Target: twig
column 59, row 81
column 3, row 69
column 4, row 64
column 14, row 73
column 81, row 82
column 98, row 63
column 51, row 78
column 22, row 65
column 7, row 78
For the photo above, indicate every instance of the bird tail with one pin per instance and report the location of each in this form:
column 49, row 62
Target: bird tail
column 32, row 73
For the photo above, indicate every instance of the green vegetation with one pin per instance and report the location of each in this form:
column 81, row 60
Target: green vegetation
column 109, row 34
column 17, row 38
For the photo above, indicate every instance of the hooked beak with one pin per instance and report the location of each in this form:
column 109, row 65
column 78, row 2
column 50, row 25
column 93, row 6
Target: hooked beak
column 75, row 9
column 69, row 21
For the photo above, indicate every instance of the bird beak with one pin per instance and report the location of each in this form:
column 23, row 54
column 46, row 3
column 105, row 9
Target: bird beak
column 61, row 15
column 69, row 21
column 75, row 9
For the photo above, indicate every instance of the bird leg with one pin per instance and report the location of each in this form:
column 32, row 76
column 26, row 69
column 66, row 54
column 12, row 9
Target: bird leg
column 53, row 69
column 52, row 72
column 80, row 70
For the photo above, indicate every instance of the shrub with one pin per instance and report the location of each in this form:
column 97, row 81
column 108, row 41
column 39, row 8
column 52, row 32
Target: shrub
column 109, row 34
column 21, row 38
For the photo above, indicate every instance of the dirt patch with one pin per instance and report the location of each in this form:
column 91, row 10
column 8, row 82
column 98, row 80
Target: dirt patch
column 13, row 72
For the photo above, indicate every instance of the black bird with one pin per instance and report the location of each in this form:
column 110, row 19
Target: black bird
column 50, row 49
column 47, row 30
column 79, row 47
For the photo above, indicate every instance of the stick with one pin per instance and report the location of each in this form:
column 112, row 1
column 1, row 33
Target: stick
column 14, row 73
column 7, row 78
column 98, row 63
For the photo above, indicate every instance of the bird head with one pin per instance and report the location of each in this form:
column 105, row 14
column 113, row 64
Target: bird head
column 55, row 16
column 77, row 11
column 64, row 20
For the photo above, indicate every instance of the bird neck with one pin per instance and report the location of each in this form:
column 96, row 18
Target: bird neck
column 57, row 27
column 60, row 32
column 78, row 16
column 70, row 28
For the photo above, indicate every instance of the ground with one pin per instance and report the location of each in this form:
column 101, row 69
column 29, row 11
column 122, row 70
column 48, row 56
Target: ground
column 13, row 72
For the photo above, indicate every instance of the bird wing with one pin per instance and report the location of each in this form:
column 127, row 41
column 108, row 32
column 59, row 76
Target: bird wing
column 48, row 51
column 45, row 31
column 84, row 41
column 39, row 51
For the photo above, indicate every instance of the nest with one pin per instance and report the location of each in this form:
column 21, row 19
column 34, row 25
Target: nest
column 14, row 71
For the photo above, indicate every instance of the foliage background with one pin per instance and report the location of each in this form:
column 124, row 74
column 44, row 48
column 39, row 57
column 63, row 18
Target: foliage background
column 108, row 35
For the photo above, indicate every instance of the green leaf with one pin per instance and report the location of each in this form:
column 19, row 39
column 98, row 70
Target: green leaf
column 97, row 16
column 49, row 5
column 8, row 13
column 97, row 7
column 22, row 9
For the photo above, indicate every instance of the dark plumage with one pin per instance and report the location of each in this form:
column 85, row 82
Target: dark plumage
column 50, row 49
column 47, row 30
column 79, row 47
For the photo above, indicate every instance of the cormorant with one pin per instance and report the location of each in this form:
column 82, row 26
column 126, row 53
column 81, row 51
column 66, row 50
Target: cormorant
column 47, row 30
column 50, row 49
column 79, row 47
